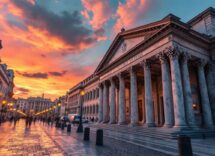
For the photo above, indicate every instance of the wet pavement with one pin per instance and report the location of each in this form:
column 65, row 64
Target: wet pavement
column 42, row 140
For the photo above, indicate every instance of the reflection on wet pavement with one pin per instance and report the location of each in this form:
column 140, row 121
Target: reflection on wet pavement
column 22, row 142
column 42, row 140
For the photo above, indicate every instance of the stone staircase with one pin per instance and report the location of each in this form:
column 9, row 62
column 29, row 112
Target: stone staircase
column 162, row 140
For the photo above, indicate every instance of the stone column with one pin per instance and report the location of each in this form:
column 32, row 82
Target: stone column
column 178, row 98
column 122, row 109
column 207, row 115
column 148, row 95
column 133, row 91
column 167, row 95
column 211, row 87
column 188, row 101
column 100, row 103
column 112, row 102
column 105, row 103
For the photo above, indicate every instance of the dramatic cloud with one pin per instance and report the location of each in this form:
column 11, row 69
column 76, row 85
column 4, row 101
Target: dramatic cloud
column 34, row 75
column 66, row 27
column 97, row 11
column 129, row 13
column 19, row 90
column 58, row 73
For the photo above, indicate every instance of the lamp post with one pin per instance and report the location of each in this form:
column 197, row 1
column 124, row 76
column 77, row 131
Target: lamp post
column 80, row 126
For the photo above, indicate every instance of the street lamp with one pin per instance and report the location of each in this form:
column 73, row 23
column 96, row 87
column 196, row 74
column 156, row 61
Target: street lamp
column 80, row 126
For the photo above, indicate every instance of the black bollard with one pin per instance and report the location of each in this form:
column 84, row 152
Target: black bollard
column 184, row 146
column 99, row 137
column 69, row 128
column 87, row 134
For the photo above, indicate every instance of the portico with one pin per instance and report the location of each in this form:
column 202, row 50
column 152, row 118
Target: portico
column 156, row 96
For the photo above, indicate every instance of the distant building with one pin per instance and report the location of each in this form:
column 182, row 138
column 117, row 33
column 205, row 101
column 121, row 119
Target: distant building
column 6, row 83
column 33, row 104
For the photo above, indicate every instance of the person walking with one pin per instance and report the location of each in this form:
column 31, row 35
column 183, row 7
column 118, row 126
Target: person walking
column 27, row 121
column 15, row 120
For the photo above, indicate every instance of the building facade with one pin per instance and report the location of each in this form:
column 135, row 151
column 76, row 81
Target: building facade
column 33, row 104
column 6, row 83
column 160, row 74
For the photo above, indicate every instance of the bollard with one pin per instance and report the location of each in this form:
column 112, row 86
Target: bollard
column 87, row 134
column 99, row 137
column 69, row 128
column 184, row 146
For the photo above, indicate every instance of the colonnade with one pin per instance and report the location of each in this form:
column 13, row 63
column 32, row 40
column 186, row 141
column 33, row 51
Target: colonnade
column 177, row 93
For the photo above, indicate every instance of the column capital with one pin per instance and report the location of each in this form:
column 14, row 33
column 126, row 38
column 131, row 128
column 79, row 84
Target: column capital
column 162, row 57
column 132, row 69
column 111, row 79
column 172, row 52
column 201, row 62
column 146, row 64
column 100, row 84
column 185, row 57
column 120, row 75
column 209, row 66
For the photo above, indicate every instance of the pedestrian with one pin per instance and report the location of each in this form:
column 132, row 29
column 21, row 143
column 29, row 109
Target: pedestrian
column 49, row 120
column 30, row 121
column 15, row 120
column 35, row 119
column 27, row 121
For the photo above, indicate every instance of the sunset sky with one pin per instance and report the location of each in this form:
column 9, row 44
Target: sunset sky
column 53, row 44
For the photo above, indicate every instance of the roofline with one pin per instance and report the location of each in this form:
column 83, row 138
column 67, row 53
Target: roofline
column 208, row 11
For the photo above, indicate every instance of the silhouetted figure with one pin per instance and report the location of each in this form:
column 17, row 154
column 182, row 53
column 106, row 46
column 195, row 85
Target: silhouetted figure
column 35, row 119
column 15, row 118
column 30, row 121
column 26, row 121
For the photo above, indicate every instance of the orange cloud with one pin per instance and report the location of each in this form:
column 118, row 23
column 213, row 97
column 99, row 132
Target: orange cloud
column 129, row 13
column 33, row 49
column 101, row 12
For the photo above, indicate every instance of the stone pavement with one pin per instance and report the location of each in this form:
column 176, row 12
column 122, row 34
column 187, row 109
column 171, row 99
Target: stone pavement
column 41, row 140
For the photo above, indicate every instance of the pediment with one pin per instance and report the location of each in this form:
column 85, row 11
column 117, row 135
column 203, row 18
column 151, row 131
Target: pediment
column 124, row 47
column 127, row 40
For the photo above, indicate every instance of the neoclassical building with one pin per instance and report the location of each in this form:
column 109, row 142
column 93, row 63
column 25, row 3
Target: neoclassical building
column 159, row 74
column 33, row 104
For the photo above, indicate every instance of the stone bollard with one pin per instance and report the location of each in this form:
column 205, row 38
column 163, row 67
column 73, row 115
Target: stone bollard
column 99, row 137
column 69, row 128
column 86, row 134
column 184, row 146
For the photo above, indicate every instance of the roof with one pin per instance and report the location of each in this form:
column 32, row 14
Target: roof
column 208, row 11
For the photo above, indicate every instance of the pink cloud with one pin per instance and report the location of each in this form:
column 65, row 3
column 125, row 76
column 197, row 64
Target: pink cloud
column 128, row 13
column 100, row 10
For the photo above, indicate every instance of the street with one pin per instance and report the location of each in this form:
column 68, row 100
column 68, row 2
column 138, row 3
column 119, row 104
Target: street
column 41, row 140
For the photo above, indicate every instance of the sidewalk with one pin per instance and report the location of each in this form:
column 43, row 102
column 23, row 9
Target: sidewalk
column 72, row 143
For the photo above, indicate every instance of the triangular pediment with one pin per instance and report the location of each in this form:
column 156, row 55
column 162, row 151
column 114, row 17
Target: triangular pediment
column 127, row 40
column 124, row 47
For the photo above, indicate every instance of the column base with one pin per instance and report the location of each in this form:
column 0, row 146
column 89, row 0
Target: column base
column 209, row 126
column 181, row 127
column 122, row 123
column 150, row 124
column 112, row 122
column 105, row 122
column 134, row 124
column 167, row 126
